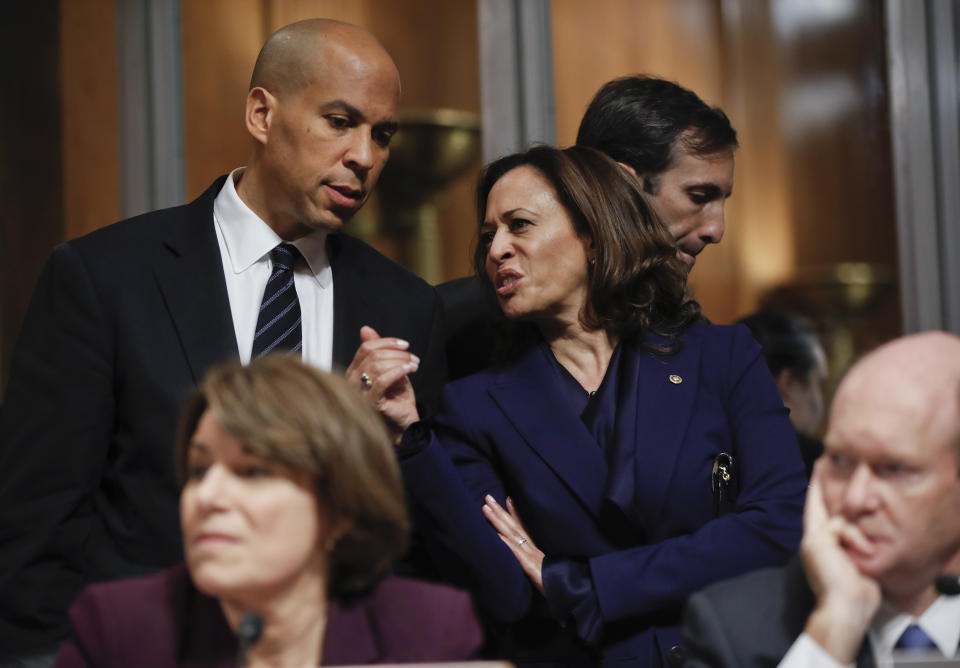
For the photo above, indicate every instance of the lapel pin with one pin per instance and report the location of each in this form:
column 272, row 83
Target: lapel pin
column 675, row 379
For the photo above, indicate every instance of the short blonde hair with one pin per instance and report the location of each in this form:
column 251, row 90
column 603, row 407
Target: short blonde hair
column 313, row 422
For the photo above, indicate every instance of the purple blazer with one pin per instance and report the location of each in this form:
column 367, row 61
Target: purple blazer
column 161, row 620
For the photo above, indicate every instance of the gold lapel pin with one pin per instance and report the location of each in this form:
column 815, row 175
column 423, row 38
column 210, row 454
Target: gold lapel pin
column 675, row 379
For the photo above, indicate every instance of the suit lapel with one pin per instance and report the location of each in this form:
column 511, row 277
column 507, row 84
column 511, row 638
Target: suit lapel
column 351, row 287
column 527, row 395
column 654, row 424
column 189, row 272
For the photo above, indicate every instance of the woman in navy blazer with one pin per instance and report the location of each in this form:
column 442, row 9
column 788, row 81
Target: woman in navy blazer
column 292, row 510
column 573, row 488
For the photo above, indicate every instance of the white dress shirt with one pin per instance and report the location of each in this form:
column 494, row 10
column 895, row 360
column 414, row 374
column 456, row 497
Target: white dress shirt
column 941, row 621
column 245, row 242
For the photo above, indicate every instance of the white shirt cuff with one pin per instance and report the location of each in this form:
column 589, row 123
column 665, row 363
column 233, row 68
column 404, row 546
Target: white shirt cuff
column 806, row 653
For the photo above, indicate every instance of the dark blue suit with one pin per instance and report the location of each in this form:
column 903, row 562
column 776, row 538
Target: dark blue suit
column 630, row 530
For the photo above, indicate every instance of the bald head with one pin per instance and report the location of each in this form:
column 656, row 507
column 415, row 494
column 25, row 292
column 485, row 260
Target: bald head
column 890, row 467
column 321, row 111
column 914, row 380
column 289, row 60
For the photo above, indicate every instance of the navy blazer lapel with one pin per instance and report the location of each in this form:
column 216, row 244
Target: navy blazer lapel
column 666, row 388
column 527, row 395
column 189, row 271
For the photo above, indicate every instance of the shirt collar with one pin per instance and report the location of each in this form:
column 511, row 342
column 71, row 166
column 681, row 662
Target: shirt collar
column 249, row 239
column 940, row 621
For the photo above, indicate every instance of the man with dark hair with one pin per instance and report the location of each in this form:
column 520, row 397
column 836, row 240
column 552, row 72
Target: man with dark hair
column 677, row 145
column 126, row 320
column 798, row 364
column 881, row 523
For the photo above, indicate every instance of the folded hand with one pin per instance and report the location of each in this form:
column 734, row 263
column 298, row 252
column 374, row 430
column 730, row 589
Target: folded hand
column 381, row 369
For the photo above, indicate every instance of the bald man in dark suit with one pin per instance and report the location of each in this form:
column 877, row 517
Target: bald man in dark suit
column 126, row 320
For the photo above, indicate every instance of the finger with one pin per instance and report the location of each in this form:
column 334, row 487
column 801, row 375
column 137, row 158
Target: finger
column 371, row 350
column 386, row 342
column 386, row 383
column 524, row 559
column 815, row 509
column 851, row 536
column 385, row 372
column 380, row 360
column 512, row 509
column 502, row 522
column 367, row 335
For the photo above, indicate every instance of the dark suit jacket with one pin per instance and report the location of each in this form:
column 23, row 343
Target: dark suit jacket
column 124, row 322
column 470, row 313
column 632, row 537
column 751, row 621
column 161, row 621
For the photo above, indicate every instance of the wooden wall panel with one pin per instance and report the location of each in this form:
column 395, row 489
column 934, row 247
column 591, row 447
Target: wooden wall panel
column 810, row 83
column 598, row 41
column 835, row 86
column 89, row 120
column 759, row 242
column 221, row 39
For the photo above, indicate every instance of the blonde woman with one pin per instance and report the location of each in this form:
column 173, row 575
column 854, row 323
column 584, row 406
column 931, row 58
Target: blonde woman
column 292, row 508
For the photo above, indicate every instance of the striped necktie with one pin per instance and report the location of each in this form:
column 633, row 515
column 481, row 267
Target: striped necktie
column 278, row 325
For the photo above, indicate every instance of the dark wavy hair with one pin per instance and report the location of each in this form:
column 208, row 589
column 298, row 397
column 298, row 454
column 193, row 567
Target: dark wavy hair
column 639, row 120
column 636, row 284
column 788, row 342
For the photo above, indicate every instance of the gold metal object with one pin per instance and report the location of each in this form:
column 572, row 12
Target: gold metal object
column 431, row 148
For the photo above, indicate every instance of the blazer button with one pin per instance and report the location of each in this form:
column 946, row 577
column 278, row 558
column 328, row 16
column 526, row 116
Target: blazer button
column 677, row 655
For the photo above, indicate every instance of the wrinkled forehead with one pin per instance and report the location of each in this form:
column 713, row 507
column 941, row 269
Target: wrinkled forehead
column 871, row 418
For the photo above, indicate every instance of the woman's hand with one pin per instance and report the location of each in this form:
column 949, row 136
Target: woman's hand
column 514, row 534
column 380, row 369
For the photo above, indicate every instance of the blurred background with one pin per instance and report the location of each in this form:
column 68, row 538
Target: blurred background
column 845, row 208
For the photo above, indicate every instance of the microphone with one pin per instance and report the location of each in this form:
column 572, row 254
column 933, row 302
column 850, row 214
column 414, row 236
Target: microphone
column 948, row 584
column 248, row 633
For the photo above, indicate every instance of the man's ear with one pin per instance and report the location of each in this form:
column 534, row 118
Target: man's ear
column 787, row 383
column 259, row 113
column 641, row 179
column 631, row 170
